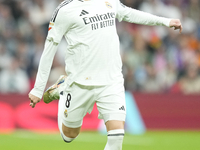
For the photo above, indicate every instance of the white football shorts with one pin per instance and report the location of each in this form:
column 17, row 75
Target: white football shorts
column 78, row 100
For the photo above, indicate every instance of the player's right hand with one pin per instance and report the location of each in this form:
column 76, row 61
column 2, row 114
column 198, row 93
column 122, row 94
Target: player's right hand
column 33, row 100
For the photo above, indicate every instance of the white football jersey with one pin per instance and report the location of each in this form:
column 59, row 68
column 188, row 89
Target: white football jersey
column 89, row 27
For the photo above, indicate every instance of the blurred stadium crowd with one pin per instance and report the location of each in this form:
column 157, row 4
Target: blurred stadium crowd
column 156, row 59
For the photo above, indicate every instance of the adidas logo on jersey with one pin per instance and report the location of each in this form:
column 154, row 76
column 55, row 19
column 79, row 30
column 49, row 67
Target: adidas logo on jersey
column 122, row 108
column 83, row 12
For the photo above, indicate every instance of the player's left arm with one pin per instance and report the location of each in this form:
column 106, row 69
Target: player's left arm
column 176, row 24
column 128, row 14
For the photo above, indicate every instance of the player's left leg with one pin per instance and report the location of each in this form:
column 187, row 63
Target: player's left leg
column 112, row 109
column 115, row 129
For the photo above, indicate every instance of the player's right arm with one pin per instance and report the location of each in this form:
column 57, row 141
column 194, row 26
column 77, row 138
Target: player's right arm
column 45, row 64
column 57, row 28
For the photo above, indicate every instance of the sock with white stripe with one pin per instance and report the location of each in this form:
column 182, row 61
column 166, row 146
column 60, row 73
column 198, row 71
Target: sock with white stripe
column 115, row 139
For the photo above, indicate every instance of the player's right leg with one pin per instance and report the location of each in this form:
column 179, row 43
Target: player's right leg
column 68, row 132
column 75, row 101
column 69, row 129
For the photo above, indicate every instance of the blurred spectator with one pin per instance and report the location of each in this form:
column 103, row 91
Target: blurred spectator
column 188, row 23
column 167, row 77
column 5, row 58
column 40, row 11
column 194, row 10
column 151, row 83
column 135, row 59
column 155, row 7
column 190, row 82
column 13, row 79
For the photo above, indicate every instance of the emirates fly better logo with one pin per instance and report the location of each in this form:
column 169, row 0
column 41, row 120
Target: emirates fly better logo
column 99, row 21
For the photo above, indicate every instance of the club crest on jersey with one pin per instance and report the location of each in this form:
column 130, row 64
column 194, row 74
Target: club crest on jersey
column 108, row 5
column 65, row 113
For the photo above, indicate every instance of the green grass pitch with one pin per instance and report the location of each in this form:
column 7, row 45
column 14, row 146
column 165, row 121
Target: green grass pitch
column 151, row 140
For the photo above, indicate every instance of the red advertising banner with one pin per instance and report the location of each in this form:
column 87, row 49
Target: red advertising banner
column 15, row 112
column 158, row 111
column 169, row 111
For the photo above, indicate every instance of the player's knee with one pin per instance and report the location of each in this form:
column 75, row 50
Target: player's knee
column 71, row 134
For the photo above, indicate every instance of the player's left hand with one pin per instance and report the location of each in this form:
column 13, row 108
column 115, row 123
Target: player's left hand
column 176, row 24
column 33, row 100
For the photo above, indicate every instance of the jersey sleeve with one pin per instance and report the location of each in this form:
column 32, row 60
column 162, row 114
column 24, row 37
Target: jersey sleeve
column 128, row 14
column 58, row 26
column 44, row 68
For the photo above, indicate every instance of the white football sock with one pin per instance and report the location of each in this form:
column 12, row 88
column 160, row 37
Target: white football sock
column 115, row 139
